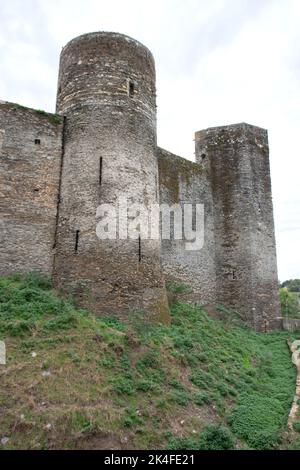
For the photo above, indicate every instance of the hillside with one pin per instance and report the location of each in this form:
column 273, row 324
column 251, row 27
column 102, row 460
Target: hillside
column 75, row 381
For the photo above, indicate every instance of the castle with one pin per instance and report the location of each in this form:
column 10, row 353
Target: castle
column 57, row 168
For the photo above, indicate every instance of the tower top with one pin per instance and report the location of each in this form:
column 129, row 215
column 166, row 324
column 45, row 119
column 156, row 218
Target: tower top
column 105, row 69
column 107, row 35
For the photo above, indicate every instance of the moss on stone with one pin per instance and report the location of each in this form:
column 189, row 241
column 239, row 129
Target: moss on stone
column 174, row 169
column 53, row 118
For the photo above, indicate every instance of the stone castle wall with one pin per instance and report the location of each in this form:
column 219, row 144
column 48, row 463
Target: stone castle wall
column 184, row 182
column 56, row 170
column 30, row 154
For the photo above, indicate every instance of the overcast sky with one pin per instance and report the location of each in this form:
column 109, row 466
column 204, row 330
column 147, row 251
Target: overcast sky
column 218, row 62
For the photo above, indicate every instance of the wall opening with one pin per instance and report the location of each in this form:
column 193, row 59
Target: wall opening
column 37, row 141
column 77, row 240
column 203, row 156
column 194, row 218
column 131, row 88
column 231, row 275
column 140, row 249
column 100, row 170
column 1, row 139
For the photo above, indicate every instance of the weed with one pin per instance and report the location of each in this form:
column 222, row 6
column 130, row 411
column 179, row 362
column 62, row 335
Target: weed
column 296, row 426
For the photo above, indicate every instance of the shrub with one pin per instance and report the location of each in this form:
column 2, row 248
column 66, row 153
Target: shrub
column 296, row 426
column 123, row 386
column 200, row 398
column 182, row 444
column 288, row 302
column 258, row 420
column 179, row 397
column 144, row 385
column 37, row 280
column 175, row 288
column 130, row 418
column 202, row 379
column 215, row 437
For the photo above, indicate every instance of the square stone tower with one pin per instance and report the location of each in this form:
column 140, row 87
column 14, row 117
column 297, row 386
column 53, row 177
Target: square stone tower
column 237, row 162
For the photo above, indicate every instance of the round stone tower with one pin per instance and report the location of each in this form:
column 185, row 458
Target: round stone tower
column 106, row 92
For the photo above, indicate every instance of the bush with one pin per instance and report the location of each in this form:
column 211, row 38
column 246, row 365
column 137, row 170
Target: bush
column 202, row 379
column 175, row 288
column 296, row 426
column 200, row 398
column 130, row 418
column 123, row 386
column 37, row 280
column 214, row 437
column 144, row 385
column 289, row 304
column 258, row 420
column 182, row 444
column 179, row 397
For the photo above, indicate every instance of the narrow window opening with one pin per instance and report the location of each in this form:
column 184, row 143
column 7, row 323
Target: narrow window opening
column 231, row 275
column 140, row 249
column 100, row 170
column 203, row 156
column 77, row 240
column 37, row 142
column 131, row 88
column 194, row 218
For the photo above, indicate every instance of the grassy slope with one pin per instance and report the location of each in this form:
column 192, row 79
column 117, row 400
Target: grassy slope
column 101, row 383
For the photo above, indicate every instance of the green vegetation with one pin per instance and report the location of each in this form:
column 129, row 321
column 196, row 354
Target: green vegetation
column 293, row 285
column 76, row 381
column 53, row 118
column 296, row 426
column 176, row 288
column 289, row 303
column 213, row 437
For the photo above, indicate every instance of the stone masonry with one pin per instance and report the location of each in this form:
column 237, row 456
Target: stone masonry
column 56, row 169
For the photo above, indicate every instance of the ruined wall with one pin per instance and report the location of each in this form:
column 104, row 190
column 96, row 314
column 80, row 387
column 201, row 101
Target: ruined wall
column 107, row 93
column 30, row 155
column 291, row 324
column 184, row 182
column 237, row 160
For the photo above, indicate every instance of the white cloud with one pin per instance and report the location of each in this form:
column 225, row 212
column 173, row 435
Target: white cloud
column 218, row 62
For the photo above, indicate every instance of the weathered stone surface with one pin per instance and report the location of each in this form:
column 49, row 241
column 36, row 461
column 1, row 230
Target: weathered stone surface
column 184, row 182
column 56, row 171
column 30, row 153
column 237, row 161
column 107, row 93
column 291, row 324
